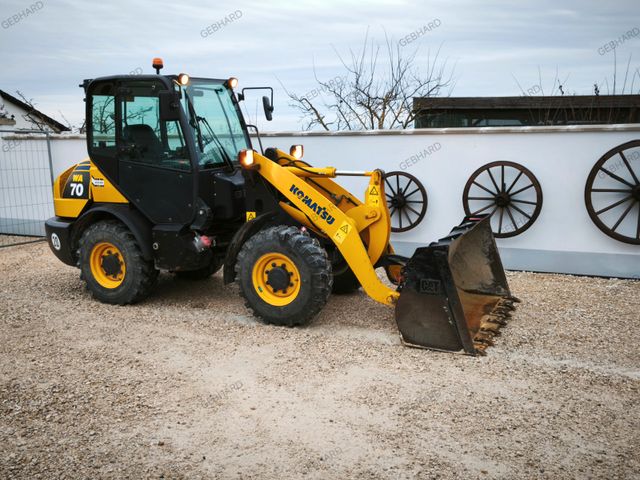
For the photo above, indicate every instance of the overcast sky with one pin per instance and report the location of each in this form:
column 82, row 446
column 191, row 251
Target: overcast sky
column 48, row 53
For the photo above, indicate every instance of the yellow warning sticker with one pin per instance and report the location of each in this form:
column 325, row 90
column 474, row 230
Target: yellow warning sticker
column 374, row 195
column 251, row 216
column 342, row 232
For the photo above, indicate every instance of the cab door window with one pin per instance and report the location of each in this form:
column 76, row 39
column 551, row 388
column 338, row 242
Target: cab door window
column 103, row 125
column 145, row 138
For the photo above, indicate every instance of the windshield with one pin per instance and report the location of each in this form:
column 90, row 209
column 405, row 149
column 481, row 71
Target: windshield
column 214, row 121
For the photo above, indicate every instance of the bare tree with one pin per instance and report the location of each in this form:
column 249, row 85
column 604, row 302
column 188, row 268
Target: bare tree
column 103, row 118
column 31, row 116
column 73, row 128
column 626, row 83
column 629, row 85
column 3, row 111
column 558, row 112
column 376, row 90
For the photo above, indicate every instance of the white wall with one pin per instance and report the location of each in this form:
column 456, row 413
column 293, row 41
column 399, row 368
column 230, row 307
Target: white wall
column 67, row 150
column 563, row 239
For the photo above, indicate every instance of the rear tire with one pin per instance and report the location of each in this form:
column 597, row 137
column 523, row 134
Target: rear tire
column 345, row 282
column 201, row 273
column 112, row 264
column 284, row 276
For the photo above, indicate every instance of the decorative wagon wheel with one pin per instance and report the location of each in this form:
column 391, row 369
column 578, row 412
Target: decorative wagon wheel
column 406, row 199
column 508, row 192
column 612, row 193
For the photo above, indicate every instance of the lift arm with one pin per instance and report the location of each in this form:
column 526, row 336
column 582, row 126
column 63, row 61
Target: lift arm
column 326, row 210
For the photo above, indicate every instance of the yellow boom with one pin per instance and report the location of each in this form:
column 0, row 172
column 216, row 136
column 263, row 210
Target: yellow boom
column 325, row 207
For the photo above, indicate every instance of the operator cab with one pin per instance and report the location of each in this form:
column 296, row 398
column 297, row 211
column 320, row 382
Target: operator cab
column 170, row 142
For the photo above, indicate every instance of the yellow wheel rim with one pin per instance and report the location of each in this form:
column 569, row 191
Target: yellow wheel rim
column 276, row 279
column 107, row 265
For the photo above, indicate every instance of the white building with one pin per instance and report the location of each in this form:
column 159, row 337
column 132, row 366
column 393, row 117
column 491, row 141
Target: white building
column 15, row 114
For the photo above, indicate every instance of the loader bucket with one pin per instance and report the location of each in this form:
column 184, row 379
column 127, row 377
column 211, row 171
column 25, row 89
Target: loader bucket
column 454, row 294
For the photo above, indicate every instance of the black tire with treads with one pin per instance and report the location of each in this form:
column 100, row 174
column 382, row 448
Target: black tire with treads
column 309, row 258
column 140, row 276
column 345, row 282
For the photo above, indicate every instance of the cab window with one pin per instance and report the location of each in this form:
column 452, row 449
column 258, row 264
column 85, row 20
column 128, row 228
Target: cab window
column 103, row 121
column 145, row 138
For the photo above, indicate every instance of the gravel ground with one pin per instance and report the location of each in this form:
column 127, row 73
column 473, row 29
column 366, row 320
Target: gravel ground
column 9, row 240
column 189, row 385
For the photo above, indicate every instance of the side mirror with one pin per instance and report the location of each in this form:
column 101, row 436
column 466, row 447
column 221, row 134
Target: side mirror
column 268, row 108
column 169, row 106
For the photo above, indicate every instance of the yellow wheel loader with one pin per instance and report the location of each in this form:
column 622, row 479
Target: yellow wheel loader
column 173, row 183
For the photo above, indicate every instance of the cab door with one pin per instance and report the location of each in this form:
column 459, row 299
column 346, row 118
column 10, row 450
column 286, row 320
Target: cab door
column 151, row 162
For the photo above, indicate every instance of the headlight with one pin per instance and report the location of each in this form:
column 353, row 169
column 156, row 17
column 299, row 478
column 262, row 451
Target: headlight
column 183, row 79
column 296, row 151
column 245, row 157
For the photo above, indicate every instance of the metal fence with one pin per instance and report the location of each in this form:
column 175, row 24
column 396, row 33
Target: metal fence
column 26, row 197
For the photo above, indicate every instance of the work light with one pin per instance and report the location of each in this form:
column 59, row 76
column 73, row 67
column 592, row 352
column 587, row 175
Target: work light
column 183, row 79
column 232, row 83
column 245, row 157
column 296, row 151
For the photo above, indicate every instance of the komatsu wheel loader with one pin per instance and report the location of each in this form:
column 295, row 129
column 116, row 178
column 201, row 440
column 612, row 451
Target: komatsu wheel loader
column 173, row 183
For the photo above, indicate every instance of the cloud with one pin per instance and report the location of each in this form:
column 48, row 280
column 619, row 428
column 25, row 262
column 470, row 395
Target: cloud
column 48, row 53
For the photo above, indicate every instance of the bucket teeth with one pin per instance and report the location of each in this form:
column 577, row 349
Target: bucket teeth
column 480, row 348
column 490, row 327
column 506, row 304
column 495, row 318
column 514, row 299
column 486, row 338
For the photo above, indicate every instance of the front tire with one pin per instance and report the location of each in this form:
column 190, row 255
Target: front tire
column 112, row 264
column 284, row 276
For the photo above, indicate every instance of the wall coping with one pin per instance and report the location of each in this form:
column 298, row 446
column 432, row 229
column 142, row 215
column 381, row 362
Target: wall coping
column 414, row 131
column 463, row 131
